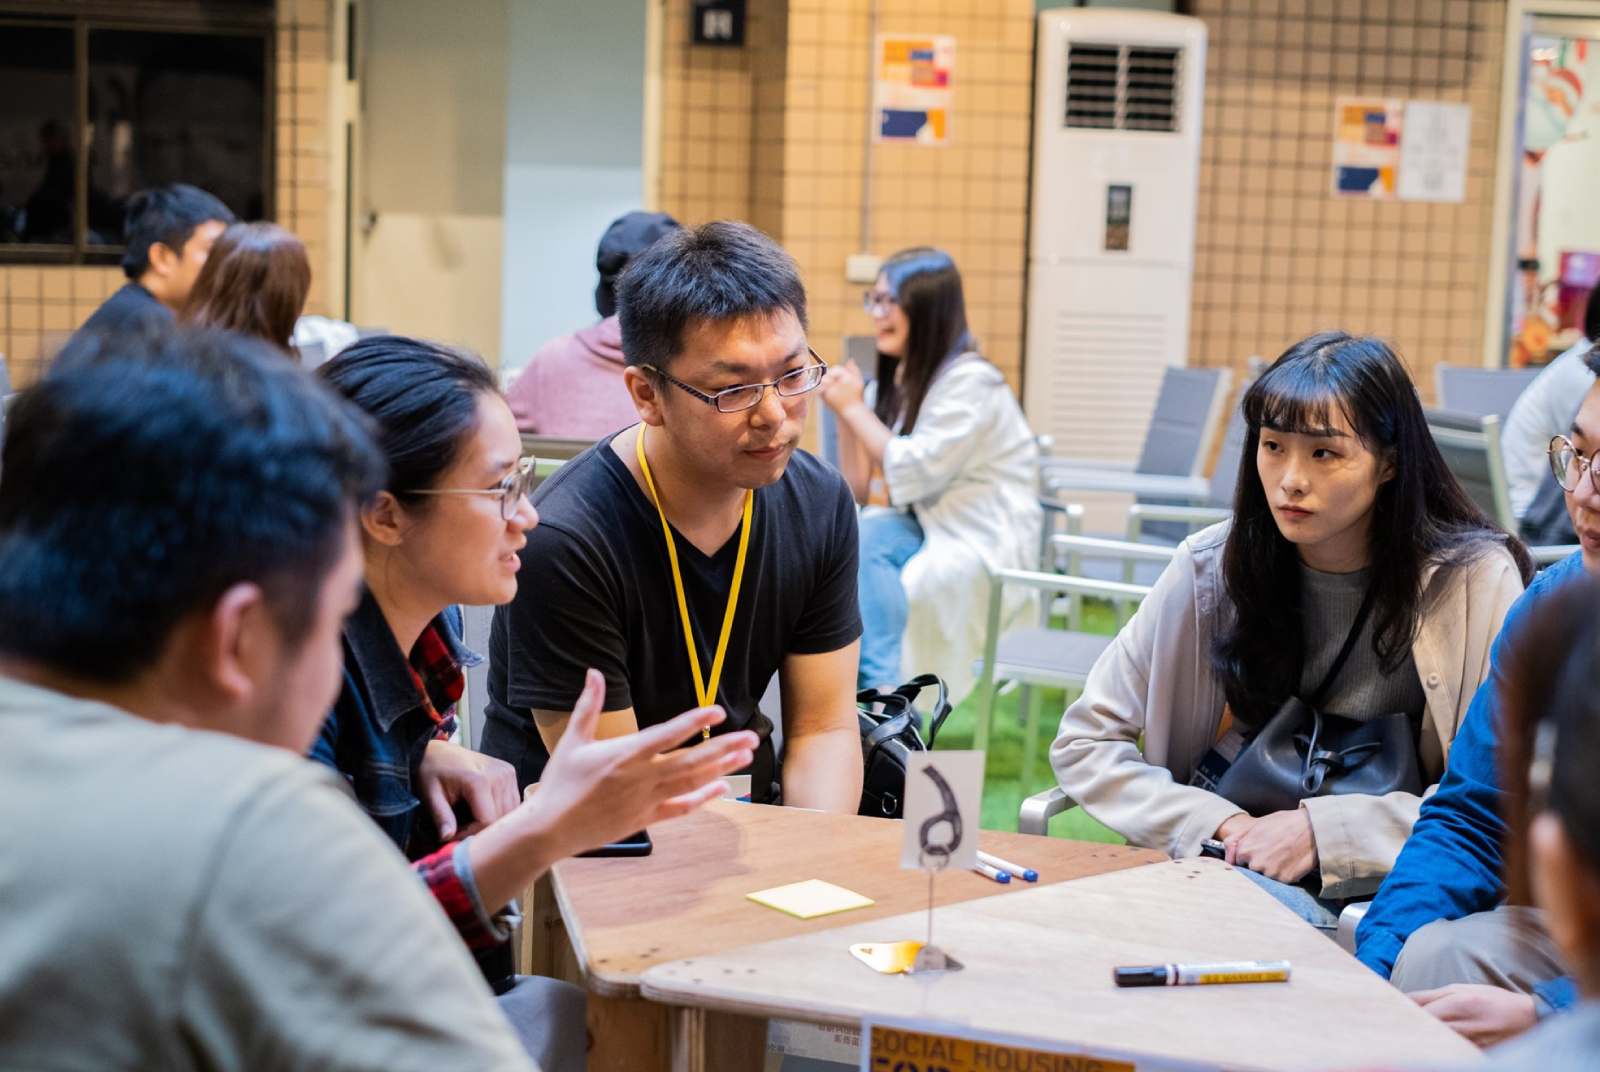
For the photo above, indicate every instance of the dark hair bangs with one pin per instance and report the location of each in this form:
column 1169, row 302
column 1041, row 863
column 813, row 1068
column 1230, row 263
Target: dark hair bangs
column 1300, row 399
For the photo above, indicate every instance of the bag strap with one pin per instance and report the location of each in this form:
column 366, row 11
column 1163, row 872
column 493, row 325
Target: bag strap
column 890, row 729
column 897, row 702
column 1316, row 698
column 941, row 703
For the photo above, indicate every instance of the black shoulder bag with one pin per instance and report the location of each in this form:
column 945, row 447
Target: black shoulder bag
column 1302, row 752
column 889, row 734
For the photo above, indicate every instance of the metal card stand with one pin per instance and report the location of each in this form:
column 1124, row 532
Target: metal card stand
column 935, row 857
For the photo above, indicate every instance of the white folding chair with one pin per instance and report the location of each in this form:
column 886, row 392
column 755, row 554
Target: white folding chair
column 1041, row 655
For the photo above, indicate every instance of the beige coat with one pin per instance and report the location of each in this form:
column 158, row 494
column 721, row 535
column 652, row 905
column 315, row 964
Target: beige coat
column 1156, row 681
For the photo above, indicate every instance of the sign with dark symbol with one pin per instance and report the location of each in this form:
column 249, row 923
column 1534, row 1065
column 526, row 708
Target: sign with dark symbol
column 936, row 849
column 717, row 22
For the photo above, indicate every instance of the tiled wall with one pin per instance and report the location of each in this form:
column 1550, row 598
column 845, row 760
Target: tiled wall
column 41, row 305
column 1277, row 256
column 707, row 97
column 797, row 171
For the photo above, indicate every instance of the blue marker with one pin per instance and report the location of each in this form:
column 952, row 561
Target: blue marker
column 991, row 872
column 1027, row 874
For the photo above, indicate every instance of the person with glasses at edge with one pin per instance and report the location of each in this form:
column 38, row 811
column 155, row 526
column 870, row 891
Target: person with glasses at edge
column 444, row 531
column 695, row 555
column 1550, row 751
column 941, row 458
column 1440, row 927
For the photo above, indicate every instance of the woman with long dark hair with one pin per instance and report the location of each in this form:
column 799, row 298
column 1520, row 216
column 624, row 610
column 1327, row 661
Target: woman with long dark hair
column 1354, row 596
column 255, row 281
column 946, row 468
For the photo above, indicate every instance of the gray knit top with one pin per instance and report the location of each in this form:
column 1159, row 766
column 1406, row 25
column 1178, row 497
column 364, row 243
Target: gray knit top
column 1362, row 690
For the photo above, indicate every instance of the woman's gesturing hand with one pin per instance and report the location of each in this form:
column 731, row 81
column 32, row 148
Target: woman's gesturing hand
column 597, row 790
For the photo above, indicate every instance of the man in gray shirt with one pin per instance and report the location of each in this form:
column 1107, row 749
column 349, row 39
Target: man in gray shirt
column 180, row 889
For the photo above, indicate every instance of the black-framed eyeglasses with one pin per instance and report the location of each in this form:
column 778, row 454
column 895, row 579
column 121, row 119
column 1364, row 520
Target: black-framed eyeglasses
column 511, row 489
column 745, row 396
column 1568, row 464
column 877, row 302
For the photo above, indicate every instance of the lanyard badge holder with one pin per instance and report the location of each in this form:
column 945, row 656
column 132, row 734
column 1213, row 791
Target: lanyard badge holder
column 705, row 690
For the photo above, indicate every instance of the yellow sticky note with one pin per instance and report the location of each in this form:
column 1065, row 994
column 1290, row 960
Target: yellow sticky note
column 809, row 899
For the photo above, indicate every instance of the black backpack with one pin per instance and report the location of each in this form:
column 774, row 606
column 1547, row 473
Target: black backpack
column 890, row 732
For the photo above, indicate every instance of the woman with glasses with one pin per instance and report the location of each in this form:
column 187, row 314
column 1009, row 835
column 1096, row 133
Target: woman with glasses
column 1329, row 638
column 446, row 531
column 940, row 457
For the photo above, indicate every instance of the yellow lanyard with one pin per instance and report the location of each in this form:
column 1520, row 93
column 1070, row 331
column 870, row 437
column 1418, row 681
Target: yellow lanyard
column 705, row 691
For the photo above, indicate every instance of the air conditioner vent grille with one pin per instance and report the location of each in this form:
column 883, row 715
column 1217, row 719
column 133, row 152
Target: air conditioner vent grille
column 1123, row 87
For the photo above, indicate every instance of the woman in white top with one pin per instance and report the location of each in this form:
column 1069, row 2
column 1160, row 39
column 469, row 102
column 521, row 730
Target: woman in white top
column 947, row 469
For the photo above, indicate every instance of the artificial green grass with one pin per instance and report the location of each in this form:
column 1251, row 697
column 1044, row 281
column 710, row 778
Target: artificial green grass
column 1005, row 784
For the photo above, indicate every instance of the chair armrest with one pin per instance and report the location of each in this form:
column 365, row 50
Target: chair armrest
column 1100, row 547
column 1102, row 464
column 1039, row 809
column 1193, row 488
column 1544, row 555
column 1349, row 920
column 1195, row 517
column 1060, row 582
column 1073, row 511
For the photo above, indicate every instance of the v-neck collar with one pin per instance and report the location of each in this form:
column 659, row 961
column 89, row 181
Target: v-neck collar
column 647, row 509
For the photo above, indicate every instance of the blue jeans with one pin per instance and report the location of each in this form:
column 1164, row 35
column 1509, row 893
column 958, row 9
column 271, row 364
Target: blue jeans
column 888, row 540
column 1321, row 912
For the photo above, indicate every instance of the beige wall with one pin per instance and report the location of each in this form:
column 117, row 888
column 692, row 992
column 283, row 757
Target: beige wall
column 41, row 305
column 1278, row 257
column 731, row 149
column 432, row 143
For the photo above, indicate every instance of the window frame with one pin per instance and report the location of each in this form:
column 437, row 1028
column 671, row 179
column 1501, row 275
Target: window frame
column 237, row 19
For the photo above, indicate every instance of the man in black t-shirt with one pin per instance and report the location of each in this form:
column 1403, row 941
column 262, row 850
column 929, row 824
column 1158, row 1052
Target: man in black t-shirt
column 713, row 326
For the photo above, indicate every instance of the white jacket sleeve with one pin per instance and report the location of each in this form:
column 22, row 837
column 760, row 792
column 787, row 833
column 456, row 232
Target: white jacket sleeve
column 958, row 406
column 1096, row 754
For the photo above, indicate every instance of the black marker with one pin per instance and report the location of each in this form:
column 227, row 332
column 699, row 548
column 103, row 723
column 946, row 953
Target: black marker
column 1242, row 971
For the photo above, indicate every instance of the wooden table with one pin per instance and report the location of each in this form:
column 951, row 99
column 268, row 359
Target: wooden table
column 1038, row 964
column 606, row 922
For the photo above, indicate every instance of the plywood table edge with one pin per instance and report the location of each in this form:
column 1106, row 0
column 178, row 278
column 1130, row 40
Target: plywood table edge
column 709, row 998
column 605, row 984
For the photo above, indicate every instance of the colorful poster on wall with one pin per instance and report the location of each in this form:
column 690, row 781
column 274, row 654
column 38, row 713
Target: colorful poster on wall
column 912, row 87
column 1433, row 154
column 1366, row 147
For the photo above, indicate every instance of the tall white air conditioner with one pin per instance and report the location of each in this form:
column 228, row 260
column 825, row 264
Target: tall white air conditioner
column 1116, row 164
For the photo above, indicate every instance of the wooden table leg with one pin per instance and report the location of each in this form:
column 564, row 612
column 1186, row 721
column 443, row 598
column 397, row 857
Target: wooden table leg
column 717, row 1042
column 629, row 1035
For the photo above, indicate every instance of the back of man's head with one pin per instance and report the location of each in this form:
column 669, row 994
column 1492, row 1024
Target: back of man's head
column 149, row 473
column 165, row 214
column 718, row 272
column 628, row 236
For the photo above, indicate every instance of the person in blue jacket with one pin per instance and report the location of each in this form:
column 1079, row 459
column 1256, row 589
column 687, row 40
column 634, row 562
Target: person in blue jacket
column 1438, row 928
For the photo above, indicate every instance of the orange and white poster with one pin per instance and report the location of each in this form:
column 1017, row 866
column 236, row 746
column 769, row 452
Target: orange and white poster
column 912, row 87
column 1366, row 147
